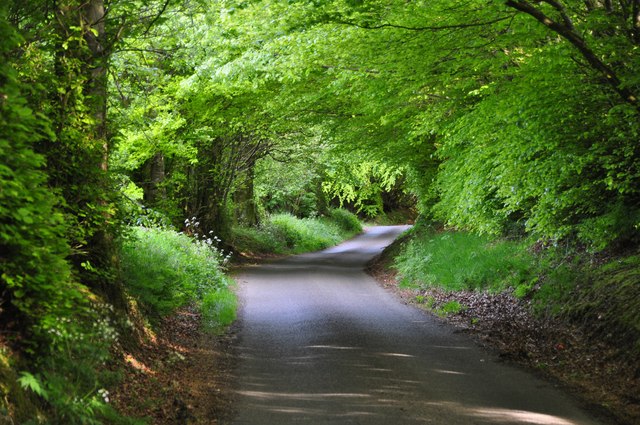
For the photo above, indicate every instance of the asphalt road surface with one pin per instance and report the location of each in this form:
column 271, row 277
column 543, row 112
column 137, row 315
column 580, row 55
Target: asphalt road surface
column 321, row 343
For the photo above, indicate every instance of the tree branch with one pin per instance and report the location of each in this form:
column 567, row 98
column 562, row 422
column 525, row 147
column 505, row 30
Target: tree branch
column 155, row 19
column 426, row 28
column 569, row 34
column 563, row 13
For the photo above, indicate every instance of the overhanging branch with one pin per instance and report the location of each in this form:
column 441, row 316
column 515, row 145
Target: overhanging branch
column 424, row 28
column 566, row 31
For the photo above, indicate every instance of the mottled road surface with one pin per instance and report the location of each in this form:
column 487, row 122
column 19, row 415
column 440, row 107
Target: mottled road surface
column 322, row 343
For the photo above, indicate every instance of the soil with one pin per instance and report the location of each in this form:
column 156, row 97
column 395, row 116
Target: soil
column 180, row 375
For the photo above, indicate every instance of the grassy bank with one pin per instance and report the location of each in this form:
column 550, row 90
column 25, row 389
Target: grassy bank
column 571, row 314
column 464, row 261
column 287, row 234
column 603, row 291
column 164, row 270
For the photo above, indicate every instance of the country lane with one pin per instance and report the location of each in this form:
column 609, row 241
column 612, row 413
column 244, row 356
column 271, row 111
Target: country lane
column 320, row 342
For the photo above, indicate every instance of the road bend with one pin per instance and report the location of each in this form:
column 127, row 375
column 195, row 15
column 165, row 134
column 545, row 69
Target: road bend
column 320, row 342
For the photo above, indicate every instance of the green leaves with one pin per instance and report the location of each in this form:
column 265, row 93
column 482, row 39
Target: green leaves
column 361, row 183
column 32, row 383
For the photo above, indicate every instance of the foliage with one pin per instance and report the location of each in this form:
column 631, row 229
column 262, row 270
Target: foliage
column 289, row 180
column 361, row 183
column 36, row 279
column 16, row 403
column 515, row 169
column 164, row 270
column 219, row 309
column 287, row 234
column 71, row 377
column 511, row 119
column 464, row 261
column 191, row 132
column 346, row 220
column 473, row 104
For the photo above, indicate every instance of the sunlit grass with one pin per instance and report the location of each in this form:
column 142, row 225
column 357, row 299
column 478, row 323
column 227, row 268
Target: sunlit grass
column 287, row 234
column 165, row 270
column 464, row 261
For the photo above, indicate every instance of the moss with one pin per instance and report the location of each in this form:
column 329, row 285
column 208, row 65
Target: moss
column 610, row 303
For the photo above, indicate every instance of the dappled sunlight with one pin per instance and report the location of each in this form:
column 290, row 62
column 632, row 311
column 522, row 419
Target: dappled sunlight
column 519, row 416
column 138, row 365
column 378, row 369
column 375, row 404
column 448, row 372
column 498, row 415
column 333, row 347
column 396, row 355
column 453, row 347
column 300, row 396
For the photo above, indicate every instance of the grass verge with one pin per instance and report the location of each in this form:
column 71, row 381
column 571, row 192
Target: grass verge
column 458, row 261
column 571, row 315
column 165, row 270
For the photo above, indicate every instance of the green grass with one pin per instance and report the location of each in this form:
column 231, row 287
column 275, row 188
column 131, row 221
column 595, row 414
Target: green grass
column 165, row 270
column 287, row 234
column 219, row 309
column 604, row 299
column 464, row 261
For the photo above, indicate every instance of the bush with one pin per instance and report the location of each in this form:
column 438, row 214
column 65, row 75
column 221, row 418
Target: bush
column 346, row 220
column 305, row 234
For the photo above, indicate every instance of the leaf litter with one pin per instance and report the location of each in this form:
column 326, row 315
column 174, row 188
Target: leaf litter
column 181, row 375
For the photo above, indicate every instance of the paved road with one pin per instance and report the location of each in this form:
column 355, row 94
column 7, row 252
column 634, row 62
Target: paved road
column 322, row 343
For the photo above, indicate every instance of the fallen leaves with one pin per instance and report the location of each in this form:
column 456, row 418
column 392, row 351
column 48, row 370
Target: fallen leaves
column 181, row 376
column 137, row 365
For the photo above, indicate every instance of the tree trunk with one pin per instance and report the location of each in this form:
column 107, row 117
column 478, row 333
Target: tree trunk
column 80, row 155
column 155, row 192
column 246, row 211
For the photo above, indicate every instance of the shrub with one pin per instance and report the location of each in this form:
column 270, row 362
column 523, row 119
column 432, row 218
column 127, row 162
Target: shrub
column 346, row 220
column 305, row 234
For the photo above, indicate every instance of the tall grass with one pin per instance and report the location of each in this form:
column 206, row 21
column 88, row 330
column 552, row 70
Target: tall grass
column 165, row 270
column 464, row 261
column 287, row 234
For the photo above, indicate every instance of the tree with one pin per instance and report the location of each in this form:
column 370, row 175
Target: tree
column 473, row 101
column 615, row 28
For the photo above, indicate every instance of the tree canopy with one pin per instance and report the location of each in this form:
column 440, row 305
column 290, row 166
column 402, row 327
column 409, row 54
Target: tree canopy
column 510, row 118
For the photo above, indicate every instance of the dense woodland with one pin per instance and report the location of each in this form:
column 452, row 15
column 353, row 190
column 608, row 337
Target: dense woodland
column 514, row 119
